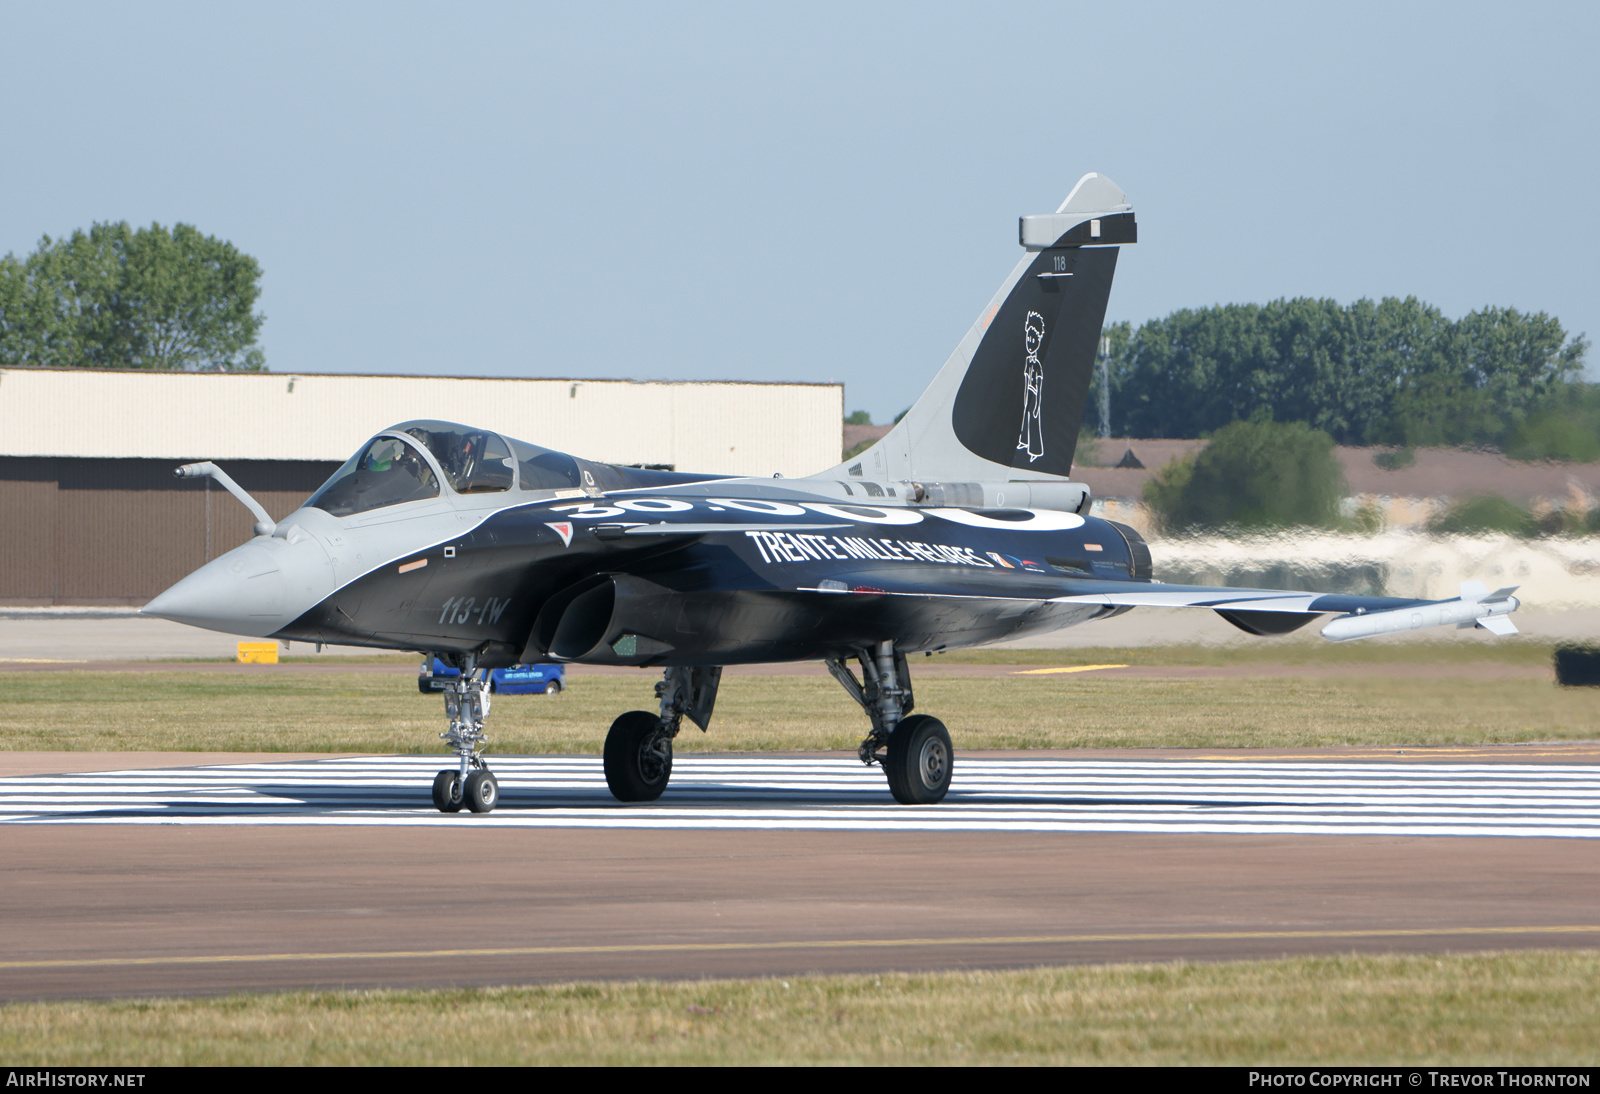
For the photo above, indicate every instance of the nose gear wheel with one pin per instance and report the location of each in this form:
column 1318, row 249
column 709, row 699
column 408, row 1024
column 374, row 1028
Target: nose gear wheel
column 482, row 791
column 447, row 792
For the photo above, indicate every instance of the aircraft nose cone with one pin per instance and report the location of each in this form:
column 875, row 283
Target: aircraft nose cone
column 243, row 592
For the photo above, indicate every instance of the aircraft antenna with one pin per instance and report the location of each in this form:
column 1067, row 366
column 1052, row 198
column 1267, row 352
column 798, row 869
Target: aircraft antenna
column 1105, row 387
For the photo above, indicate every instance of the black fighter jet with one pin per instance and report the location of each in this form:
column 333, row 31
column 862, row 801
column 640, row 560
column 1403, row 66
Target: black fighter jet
column 959, row 528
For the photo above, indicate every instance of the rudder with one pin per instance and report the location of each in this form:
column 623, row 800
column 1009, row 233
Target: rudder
column 1008, row 403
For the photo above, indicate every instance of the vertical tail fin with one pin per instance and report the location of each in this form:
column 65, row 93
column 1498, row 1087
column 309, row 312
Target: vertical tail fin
column 1009, row 401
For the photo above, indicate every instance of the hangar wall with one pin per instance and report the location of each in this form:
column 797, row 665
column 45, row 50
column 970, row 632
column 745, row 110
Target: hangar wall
column 97, row 531
column 90, row 513
column 718, row 428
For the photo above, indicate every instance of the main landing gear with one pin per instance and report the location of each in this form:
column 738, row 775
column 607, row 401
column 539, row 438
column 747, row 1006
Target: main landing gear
column 638, row 752
column 466, row 704
column 913, row 749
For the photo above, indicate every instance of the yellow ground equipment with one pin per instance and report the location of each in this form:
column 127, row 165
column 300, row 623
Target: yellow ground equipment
column 258, row 653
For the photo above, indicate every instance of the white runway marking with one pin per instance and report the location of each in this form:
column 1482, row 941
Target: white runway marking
column 1017, row 795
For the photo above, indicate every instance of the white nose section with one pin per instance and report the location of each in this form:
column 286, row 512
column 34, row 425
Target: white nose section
column 255, row 590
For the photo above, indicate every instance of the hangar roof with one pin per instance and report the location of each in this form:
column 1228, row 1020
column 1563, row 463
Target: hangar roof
column 717, row 428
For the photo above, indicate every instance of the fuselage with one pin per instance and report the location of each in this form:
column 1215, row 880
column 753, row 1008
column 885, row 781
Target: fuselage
column 657, row 570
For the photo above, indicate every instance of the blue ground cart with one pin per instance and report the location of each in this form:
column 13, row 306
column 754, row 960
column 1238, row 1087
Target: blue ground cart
column 516, row 680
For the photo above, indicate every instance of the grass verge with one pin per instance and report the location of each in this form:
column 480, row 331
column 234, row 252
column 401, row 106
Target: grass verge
column 1530, row 1007
column 106, row 711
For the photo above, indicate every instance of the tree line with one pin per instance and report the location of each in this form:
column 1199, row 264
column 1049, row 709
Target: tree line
column 119, row 297
column 1396, row 372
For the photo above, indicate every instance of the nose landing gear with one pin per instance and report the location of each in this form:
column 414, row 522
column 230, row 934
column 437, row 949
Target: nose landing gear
column 466, row 704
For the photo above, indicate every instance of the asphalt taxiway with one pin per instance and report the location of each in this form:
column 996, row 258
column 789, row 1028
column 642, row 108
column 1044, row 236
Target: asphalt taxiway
column 333, row 872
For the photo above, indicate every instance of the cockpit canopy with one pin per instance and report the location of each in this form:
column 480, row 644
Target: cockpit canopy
column 407, row 462
column 387, row 471
column 474, row 461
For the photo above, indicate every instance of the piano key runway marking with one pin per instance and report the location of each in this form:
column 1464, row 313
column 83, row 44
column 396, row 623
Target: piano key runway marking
column 761, row 792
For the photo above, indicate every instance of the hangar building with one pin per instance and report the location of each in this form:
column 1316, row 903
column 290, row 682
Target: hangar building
column 91, row 514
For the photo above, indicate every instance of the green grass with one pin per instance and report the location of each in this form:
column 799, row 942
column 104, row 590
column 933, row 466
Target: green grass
column 294, row 712
column 1526, row 1008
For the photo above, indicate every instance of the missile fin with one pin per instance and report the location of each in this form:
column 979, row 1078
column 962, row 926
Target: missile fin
column 1498, row 624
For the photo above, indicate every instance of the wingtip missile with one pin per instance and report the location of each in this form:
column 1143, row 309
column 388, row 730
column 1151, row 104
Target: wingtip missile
column 1475, row 607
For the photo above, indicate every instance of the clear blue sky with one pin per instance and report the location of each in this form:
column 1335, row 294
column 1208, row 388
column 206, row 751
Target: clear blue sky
column 801, row 192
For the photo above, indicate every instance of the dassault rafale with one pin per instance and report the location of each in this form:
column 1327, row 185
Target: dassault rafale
column 959, row 527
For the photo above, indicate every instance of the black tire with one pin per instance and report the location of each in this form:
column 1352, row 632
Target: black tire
column 632, row 773
column 895, row 775
column 445, row 799
column 553, row 688
column 921, row 761
column 482, row 793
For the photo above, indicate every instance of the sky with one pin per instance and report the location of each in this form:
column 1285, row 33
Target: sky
column 818, row 192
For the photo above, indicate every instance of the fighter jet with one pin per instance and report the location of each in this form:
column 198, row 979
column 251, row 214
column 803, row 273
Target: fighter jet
column 960, row 527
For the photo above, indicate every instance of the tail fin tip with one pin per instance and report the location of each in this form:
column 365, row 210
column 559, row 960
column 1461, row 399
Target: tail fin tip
column 1008, row 403
column 1095, row 193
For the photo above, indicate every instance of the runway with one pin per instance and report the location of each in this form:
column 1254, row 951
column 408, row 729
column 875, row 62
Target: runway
column 797, row 793
column 338, row 873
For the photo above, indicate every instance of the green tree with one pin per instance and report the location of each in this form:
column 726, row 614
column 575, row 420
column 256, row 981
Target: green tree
column 1395, row 371
column 1490, row 371
column 1253, row 476
column 858, row 417
column 116, row 297
column 1565, row 426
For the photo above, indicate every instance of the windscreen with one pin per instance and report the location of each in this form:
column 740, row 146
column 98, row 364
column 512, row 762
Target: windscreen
column 386, row 472
column 474, row 460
